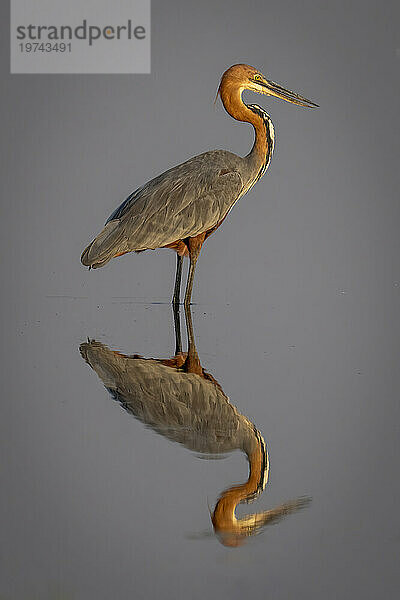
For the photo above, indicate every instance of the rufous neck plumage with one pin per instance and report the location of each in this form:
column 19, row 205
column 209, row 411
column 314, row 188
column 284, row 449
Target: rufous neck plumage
column 261, row 152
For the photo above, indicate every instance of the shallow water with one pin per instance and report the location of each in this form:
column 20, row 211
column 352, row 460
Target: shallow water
column 98, row 503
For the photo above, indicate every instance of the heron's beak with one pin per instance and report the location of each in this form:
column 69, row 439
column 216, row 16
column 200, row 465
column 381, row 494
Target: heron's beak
column 273, row 89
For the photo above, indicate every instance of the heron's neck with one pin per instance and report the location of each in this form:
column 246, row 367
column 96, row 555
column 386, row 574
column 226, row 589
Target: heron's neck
column 260, row 155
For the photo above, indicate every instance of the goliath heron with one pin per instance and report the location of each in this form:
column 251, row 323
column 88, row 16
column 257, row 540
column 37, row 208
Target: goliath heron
column 178, row 399
column 182, row 207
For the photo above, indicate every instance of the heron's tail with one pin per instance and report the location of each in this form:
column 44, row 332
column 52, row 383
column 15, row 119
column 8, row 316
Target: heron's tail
column 105, row 246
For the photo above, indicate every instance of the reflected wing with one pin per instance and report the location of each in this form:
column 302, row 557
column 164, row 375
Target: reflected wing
column 183, row 407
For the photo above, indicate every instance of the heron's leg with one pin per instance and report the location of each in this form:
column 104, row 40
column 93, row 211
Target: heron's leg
column 178, row 277
column 189, row 285
column 194, row 244
column 177, row 327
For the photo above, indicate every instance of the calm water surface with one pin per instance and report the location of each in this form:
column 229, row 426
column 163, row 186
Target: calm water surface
column 108, row 492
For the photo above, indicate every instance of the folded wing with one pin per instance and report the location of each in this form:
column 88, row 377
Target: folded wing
column 187, row 200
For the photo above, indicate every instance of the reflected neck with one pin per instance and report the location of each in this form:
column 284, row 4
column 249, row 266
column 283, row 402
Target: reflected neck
column 224, row 519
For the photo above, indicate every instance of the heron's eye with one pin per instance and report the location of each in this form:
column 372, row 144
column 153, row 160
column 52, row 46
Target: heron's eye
column 258, row 77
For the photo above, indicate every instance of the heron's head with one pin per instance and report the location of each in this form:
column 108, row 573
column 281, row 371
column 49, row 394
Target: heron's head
column 244, row 77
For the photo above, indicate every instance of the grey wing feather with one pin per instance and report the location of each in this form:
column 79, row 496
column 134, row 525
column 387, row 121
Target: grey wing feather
column 102, row 248
column 182, row 202
column 124, row 207
column 186, row 214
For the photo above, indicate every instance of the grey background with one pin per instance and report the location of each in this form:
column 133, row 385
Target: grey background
column 297, row 313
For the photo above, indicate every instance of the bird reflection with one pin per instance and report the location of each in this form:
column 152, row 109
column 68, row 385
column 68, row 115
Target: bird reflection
column 178, row 399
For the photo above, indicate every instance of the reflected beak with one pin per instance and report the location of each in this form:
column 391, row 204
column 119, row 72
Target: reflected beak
column 273, row 89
